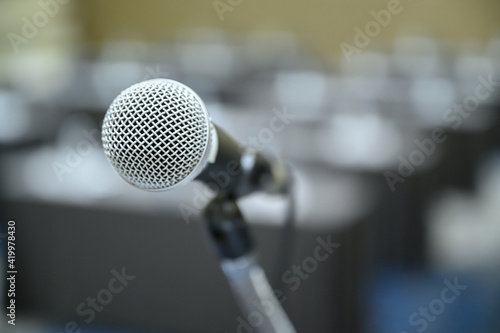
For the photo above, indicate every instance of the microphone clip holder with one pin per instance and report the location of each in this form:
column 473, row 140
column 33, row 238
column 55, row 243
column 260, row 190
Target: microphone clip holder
column 227, row 227
column 230, row 235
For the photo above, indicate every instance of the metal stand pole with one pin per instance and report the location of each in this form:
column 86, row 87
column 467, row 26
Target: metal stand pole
column 247, row 279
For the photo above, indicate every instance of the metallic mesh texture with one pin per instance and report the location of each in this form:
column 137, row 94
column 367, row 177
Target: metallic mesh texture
column 155, row 134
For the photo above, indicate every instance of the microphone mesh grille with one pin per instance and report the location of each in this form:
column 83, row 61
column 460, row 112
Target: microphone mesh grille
column 156, row 133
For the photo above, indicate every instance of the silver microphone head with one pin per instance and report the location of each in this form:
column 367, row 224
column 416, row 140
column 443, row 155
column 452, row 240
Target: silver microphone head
column 158, row 134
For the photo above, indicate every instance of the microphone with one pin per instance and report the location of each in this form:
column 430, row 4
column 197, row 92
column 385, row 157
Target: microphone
column 157, row 134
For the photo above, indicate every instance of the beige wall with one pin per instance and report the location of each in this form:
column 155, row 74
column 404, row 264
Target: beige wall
column 323, row 24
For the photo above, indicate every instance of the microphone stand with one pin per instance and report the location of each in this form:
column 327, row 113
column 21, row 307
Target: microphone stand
column 252, row 291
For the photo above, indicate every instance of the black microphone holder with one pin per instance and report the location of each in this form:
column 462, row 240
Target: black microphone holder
column 249, row 284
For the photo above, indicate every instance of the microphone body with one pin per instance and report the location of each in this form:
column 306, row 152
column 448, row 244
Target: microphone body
column 238, row 171
column 158, row 134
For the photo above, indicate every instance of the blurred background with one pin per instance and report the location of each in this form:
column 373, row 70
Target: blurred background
column 388, row 113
